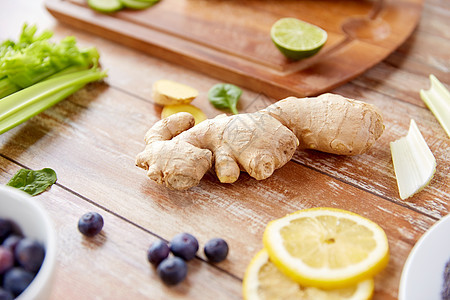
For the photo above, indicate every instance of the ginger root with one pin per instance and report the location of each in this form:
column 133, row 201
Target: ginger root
column 178, row 154
column 196, row 112
column 167, row 92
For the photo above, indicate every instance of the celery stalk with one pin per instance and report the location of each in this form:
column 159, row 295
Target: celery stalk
column 437, row 98
column 24, row 104
column 414, row 164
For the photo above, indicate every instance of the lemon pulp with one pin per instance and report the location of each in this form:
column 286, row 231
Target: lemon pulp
column 326, row 247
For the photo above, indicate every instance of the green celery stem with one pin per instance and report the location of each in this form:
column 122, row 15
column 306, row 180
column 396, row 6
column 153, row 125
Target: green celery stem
column 23, row 105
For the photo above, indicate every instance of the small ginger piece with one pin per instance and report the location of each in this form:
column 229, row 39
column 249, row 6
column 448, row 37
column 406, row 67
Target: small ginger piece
column 196, row 112
column 167, row 92
column 178, row 154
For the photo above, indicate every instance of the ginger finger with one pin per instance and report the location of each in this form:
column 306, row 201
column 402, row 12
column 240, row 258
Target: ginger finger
column 182, row 166
column 169, row 127
column 226, row 167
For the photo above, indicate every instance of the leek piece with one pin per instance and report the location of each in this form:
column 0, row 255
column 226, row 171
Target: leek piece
column 437, row 98
column 22, row 105
column 414, row 164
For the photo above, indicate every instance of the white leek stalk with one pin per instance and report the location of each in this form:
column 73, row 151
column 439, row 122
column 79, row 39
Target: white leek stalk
column 437, row 98
column 414, row 164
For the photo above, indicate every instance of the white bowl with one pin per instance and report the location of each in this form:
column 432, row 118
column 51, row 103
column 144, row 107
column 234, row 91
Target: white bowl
column 34, row 222
column 423, row 273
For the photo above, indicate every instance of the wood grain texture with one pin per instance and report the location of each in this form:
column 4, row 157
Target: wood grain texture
column 224, row 40
column 91, row 138
column 113, row 264
column 98, row 163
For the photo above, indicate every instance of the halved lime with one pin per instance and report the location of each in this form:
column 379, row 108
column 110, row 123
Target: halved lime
column 297, row 39
column 152, row 1
column 105, row 5
column 138, row 4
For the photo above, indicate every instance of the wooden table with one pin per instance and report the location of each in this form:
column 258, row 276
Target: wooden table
column 91, row 140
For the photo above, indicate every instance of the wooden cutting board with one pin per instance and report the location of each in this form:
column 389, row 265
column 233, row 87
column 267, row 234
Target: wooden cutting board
column 230, row 39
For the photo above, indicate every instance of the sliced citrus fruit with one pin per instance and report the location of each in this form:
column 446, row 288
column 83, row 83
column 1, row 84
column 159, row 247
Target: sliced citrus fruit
column 198, row 114
column 263, row 281
column 105, row 5
column 137, row 4
column 326, row 247
column 297, row 39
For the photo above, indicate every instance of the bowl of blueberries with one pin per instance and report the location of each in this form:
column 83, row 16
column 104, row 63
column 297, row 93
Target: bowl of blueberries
column 27, row 247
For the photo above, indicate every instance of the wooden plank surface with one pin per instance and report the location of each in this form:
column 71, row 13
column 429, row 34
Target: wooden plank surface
column 91, row 139
column 224, row 40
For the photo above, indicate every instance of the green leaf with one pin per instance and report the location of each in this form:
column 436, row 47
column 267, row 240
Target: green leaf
column 33, row 182
column 225, row 96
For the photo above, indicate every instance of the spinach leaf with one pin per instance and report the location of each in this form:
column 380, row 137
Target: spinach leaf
column 33, row 182
column 225, row 95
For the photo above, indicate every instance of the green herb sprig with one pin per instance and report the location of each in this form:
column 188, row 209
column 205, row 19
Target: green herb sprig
column 225, row 96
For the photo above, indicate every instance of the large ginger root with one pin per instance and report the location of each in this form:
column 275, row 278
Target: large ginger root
column 178, row 154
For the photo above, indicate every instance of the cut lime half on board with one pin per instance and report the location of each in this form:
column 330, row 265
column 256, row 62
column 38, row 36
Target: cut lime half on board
column 297, row 39
column 137, row 4
column 106, row 6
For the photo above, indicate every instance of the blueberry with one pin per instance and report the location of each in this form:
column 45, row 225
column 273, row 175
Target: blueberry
column 17, row 280
column 216, row 250
column 11, row 242
column 6, row 228
column 184, row 245
column 158, row 251
column 6, row 259
column 4, row 295
column 90, row 223
column 172, row 270
column 29, row 253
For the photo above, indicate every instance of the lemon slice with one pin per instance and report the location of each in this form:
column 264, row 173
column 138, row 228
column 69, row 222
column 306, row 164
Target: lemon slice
column 297, row 39
column 263, row 280
column 326, row 247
